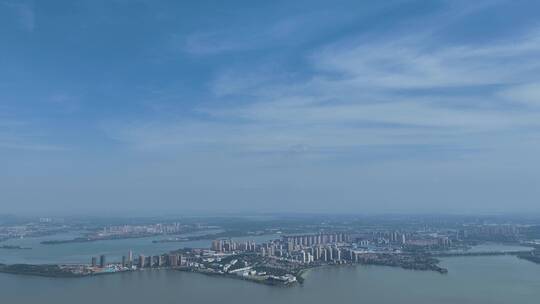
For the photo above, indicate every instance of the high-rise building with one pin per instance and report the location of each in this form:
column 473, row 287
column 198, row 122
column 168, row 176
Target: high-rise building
column 181, row 260
column 217, row 245
column 173, row 260
column 290, row 245
column 94, row 261
column 102, row 262
column 141, row 261
column 124, row 261
column 130, row 258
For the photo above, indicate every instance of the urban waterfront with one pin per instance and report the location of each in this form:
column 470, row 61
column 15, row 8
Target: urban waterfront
column 83, row 252
column 493, row 279
column 259, row 254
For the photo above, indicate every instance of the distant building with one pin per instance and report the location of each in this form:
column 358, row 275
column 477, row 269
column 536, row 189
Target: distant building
column 159, row 260
column 173, row 260
column 141, row 261
column 94, row 261
column 102, row 262
column 217, row 245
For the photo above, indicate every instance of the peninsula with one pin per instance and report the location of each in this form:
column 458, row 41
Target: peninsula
column 279, row 262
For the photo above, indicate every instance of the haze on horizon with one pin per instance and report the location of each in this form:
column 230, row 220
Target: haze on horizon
column 289, row 106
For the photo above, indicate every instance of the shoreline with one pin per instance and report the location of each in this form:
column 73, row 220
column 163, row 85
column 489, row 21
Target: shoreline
column 237, row 277
column 264, row 270
column 68, row 271
column 301, row 276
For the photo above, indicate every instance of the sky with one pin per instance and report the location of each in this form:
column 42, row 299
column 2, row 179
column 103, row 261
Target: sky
column 140, row 107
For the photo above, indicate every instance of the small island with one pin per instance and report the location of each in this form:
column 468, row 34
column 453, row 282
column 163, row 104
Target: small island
column 14, row 247
column 119, row 232
column 39, row 270
column 532, row 256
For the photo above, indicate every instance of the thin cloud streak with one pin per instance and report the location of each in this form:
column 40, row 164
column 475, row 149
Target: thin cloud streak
column 20, row 135
column 25, row 13
column 355, row 85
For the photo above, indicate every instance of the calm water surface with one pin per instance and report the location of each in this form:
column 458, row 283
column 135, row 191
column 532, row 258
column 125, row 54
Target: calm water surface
column 478, row 280
column 83, row 252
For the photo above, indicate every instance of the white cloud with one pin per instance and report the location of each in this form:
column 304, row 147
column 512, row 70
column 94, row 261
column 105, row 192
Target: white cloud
column 363, row 93
column 408, row 63
column 528, row 94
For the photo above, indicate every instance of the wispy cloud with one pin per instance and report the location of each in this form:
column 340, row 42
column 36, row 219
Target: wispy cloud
column 65, row 101
column 17, row 134
column 528, row 94
column 350, row 106
column 16, row 145
column 284, row 32
column 366, row 91
column 413, row 62
column 25, row 13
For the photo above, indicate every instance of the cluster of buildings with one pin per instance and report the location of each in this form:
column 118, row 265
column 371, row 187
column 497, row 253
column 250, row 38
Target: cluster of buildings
column 226, row 245
column 315, row 239
column 152, row 229
column 293, row 252
column 491, row 232
column 36, row 229
column 280, row 260
column 324, row 247
column 130, row 263
column 332, row 247
column 304, row 248
column 398, row 239
column 318, row 248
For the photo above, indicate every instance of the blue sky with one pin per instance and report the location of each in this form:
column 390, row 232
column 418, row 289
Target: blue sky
column 348, row 106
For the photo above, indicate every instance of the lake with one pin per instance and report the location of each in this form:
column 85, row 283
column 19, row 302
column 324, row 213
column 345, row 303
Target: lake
column 114, row 249
column 478, row 280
